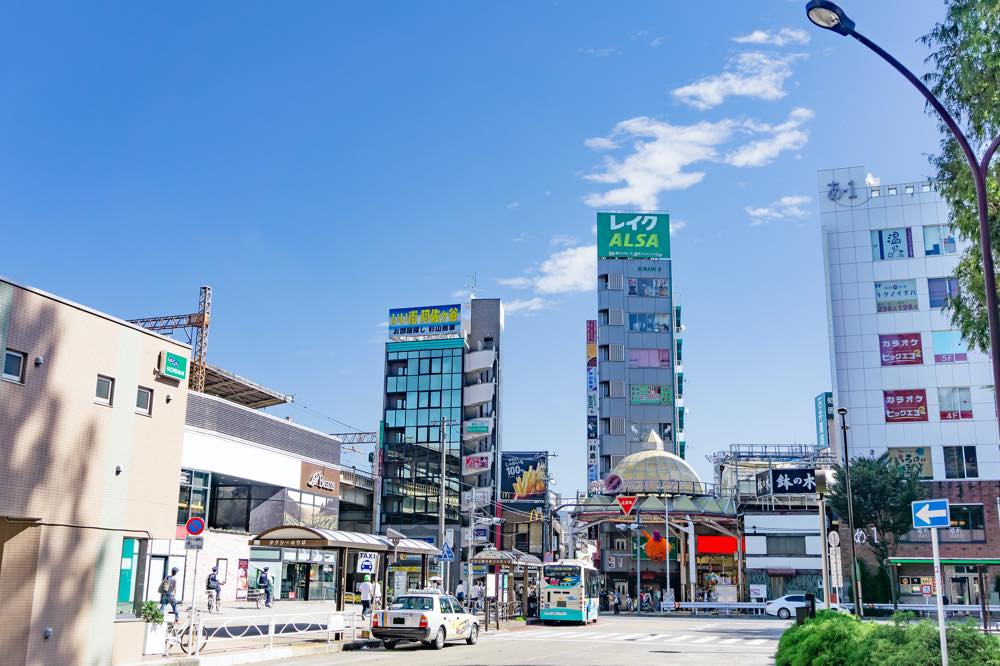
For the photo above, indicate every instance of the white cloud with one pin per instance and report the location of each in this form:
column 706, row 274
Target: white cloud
column 774, row 37
column 749, row 74
column 658, row 42
column 518, row 306
column 872, row 180
column 564, row 240
column 788, row 207
column 570, row 270
column 513, row 204
column 599, row 53
column 662, row 154
column 600, row 143
column 677, row 225
column 464, row 294
column 788, row 135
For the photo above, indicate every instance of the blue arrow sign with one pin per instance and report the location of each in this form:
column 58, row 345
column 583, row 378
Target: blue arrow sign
column 931, row 513
column 447, row 554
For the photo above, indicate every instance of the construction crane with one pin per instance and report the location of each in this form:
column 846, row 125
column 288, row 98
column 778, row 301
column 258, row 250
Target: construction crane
column 195, row 325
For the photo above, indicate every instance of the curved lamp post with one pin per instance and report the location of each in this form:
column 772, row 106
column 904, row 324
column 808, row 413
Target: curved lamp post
column 830, row 16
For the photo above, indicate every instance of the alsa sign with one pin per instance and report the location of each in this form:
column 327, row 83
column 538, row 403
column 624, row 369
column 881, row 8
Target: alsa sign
column 633, row 236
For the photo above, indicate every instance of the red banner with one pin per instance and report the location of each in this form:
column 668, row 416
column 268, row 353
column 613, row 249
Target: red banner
column 591, row 330
column 901, row 349
column 905, row 405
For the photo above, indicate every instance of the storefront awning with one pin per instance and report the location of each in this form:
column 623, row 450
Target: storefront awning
column 506, row 557
column 971, row 561
column 295, row 536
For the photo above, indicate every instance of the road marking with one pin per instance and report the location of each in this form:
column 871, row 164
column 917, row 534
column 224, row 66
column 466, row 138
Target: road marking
column 674, row 639
column 604, row 636
column 730, row 641
column 629, row 637
column 758, row 641
column 704, row 639
column 650, row 637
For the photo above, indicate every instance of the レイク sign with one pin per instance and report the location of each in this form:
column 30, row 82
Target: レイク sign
column 173, row 366
column 633, row 235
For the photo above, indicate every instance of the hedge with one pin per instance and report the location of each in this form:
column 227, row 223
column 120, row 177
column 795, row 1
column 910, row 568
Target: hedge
column 835, row 639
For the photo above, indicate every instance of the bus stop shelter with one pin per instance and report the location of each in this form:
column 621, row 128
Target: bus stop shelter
column 513, row 559
column 346, row 543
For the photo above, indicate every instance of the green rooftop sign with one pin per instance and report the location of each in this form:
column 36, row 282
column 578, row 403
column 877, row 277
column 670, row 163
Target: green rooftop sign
column 173, row 365
column 633, row 236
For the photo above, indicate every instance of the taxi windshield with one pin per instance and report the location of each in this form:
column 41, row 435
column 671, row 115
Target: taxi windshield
column 413, row 603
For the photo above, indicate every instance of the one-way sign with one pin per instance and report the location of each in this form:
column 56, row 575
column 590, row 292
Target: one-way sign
column 931, row 513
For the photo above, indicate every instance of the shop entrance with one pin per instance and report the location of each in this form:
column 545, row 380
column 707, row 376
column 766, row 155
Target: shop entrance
column 295, row 581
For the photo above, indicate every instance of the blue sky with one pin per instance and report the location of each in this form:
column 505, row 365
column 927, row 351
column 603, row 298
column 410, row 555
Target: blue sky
column 319, row 163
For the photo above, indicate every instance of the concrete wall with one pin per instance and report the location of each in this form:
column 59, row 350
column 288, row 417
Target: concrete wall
column 60, row 451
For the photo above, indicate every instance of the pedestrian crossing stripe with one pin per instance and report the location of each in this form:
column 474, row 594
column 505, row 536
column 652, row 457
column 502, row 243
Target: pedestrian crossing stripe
column 579, row 634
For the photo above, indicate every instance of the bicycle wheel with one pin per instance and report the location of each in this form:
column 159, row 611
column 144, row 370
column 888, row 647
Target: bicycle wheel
column 187, row 644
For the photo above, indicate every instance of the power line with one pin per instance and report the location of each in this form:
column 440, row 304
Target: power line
column 328, row 418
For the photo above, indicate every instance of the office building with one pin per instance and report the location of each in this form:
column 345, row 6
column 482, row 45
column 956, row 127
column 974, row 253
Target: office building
column 910, row 384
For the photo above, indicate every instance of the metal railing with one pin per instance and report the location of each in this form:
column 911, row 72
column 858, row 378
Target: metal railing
column 213, row 631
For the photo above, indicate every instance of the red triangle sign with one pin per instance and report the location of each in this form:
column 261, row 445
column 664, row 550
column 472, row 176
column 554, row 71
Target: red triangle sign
column 626, row 502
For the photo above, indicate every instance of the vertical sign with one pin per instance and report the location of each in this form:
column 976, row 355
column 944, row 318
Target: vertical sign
column 824, row 414
column 593, row 448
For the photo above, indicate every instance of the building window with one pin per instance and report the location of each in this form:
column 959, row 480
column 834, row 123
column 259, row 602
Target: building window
column 892, row 244
column 892, row 191
column 649, row 287
column 144, row 401
column 955, row 403
column 616, row 281
column 649, row 358
column 617, row 389
column 616, row 353
column 939, row 239
column 876, row 193
column 640, row 432
column 960, row 462
column 105, row 393
column 616, row 317
column 617, row 425
column 786, row 545
column 940, row 290
column 949, row 347
column 925, row 187
column 967, row 516
column 908, row 189
column 193, row 499
column 602, row 282
column 13, row 366
column 132, row 576
column 658, row 322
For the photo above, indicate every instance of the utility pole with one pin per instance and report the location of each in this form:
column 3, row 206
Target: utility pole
column 443, row 424
column 855, row 581
column 824, row 547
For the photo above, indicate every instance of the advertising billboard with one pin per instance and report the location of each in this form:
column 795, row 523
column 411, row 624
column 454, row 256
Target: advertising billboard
column 892, row 244
column 905, row 405
column 786, row 482
column 522, row 478
column 593, row 463
column 896, row 296
column 425, row 320
column 633, row 236
column 913, row 458
column 651, row 394
column 901, row 349
column 824, row 414
column 476, row 463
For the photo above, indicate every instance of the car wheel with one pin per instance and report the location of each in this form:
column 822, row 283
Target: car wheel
column 389, row 645
column 438, row 641
column 784, row 613
column 473, row 635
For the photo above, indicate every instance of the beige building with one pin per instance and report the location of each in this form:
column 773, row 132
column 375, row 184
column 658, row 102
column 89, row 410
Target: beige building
column 92, row 415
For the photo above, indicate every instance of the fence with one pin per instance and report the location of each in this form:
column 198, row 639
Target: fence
column 263, row 629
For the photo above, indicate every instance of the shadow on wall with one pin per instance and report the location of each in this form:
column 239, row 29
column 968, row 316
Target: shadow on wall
column 46, row 460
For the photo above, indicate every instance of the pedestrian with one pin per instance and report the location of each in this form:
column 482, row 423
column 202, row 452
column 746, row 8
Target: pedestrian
column 366, row 596
column 460, row 592
column 168, row 592
column 618, row 603
column 477, row 595
column 213, row 587
column 264, row 583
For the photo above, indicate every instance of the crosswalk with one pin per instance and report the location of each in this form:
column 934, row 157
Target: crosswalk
column 581, row 634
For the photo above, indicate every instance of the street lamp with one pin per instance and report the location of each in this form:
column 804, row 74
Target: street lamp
column 829, row 16
column 855, row 581
column 443, row 424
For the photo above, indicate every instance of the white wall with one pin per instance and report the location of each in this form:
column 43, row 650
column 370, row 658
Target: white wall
column 225, row 455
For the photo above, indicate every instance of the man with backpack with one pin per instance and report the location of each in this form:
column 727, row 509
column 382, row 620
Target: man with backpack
column 264, row 583
column 168, row 591
column 213, row 588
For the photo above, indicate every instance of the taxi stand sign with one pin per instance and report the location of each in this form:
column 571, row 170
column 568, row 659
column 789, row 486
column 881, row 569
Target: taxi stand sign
column 934, row 514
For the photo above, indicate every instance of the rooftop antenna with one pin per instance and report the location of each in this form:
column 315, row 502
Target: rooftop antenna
column 472, row 285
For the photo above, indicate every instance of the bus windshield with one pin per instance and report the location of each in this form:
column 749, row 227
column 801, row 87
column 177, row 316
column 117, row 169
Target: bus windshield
column 561, row 575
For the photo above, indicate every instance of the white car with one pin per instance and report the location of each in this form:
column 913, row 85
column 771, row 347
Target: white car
column 429, row 617
column 784, row 607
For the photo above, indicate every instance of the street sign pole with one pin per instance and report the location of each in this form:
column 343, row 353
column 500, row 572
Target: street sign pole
column 940, row 600
column 824, row 562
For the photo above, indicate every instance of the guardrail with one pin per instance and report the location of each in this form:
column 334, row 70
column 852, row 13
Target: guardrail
column 212, row 630
column 974, row 609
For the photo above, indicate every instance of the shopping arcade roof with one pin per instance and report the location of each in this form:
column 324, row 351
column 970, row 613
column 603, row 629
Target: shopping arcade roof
column 296, row 536
column 506, row 557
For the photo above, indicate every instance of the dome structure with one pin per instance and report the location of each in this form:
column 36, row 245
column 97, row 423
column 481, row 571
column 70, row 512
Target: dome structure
column 654, row 471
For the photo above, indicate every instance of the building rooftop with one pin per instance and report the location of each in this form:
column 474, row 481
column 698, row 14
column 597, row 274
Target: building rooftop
column 230, row 386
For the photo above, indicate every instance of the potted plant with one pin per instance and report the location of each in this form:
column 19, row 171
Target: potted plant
column 156, row 633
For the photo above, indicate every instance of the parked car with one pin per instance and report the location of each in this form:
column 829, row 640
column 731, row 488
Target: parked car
column 784, row 607
column 429, row 617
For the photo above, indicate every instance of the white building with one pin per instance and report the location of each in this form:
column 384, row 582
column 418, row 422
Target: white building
column 783, row 552
column 899, row 367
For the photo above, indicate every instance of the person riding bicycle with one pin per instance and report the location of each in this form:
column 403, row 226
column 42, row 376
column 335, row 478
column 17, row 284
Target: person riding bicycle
column 264, row 583
column 213, row 588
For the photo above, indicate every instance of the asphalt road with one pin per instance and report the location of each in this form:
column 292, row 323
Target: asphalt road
column 611, row 641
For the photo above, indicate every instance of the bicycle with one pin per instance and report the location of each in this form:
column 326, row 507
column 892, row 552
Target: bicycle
column 214, row 600
column 180, row 632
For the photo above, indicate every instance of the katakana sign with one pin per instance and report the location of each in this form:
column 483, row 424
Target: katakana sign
column 633, row 235
column 786, row 482
column 901, row 349
column 905, row 405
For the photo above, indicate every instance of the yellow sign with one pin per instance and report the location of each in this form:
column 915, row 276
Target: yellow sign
column 535, row 516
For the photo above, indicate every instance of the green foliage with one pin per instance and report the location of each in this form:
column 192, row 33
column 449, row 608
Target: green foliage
column 150, row 612
column 966, row 78
column 874, row 585
column 835, row 638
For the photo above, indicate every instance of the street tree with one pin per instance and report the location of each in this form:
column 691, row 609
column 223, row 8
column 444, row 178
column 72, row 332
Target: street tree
column 965, row 54
column 882, row 491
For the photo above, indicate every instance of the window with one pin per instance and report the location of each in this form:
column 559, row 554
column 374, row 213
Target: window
column 949, row 347
column 876, row 193
column 939, row 239
column 892, row 191
column 617, row 389
column 105, row 393
column 786, row 545
column 960, row 462
column 13, row 366
column 955, row 403
column 967, row 516
column 132, row 576
column 892, row 244
column 908, row 189
column 616, row 281
column 617, row 425
column 616, row 317
column 649, row 358
column 939, row 290
column 144, row 401
column 616, row 353
column 649, row 323
column 649, row 287
column 192, row 500
column 640, row 432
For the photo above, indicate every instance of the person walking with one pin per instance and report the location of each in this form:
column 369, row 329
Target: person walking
column 477, row 595
column 168, row 592
column 460, row 592
column 213, row 588
column 618, row 603
column 264, row 583
column 365, row 589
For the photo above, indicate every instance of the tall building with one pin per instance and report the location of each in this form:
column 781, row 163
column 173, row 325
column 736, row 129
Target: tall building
column 907, row 379
column 442, row 384
column 639, row 374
